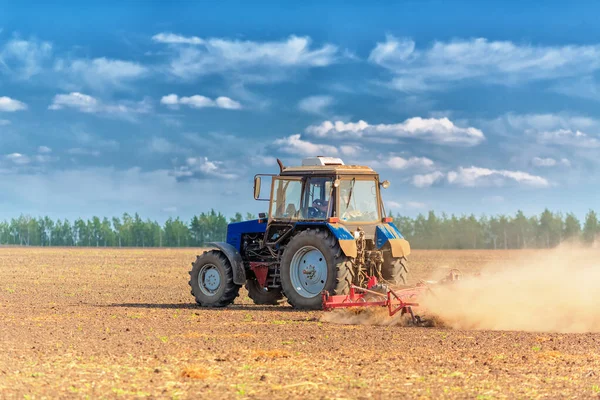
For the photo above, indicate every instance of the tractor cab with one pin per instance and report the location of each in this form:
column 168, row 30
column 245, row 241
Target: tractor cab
column 323, row 190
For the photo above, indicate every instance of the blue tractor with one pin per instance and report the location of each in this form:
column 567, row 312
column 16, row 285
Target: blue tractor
column 325, row 231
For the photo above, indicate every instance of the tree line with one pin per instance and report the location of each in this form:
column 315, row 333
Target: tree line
column 430, row 231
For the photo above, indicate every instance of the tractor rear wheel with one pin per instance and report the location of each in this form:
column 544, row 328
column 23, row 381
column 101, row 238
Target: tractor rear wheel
column 312, row 262
column 211, row 279
column 261, row 295
column 394, row 270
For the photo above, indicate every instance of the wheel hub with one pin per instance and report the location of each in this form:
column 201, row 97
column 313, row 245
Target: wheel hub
column 308, row 271
column 209, row 279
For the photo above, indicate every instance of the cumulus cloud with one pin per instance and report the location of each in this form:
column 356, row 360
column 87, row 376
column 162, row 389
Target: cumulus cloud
column 11, row 105
column 294, row 144
column 476, row 176
column 196, row 56
column 172, row 38
column 198, row 101
column 88, row 104
column 479, row 177
column 350, row 150
column 315, row 104
column 426, row 180
column 498, row 62
column 202, row 168
column 435, row 130
column 403, row 163
column 44, row 150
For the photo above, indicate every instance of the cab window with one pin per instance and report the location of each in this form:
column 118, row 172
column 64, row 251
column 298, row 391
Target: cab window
column 317, row 199
column 286, row 199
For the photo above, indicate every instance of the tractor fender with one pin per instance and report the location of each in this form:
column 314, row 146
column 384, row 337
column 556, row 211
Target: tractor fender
column 389, row 233
column 345, row 239
column 235, row 258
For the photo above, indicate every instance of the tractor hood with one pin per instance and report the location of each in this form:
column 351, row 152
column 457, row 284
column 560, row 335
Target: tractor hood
column 236, row 229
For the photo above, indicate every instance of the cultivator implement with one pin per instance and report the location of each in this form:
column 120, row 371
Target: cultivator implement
column 395, row 300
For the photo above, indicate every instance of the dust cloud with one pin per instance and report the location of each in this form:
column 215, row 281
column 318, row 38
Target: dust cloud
column 554, row 290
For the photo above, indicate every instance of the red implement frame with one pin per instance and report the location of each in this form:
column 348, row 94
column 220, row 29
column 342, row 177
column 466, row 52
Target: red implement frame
column 400, row 300
column 395, row 300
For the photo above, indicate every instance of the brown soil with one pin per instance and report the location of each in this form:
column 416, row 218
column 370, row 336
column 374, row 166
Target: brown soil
column 107, row 323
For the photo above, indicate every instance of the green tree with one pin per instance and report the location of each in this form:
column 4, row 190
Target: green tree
column 590, row 227
column 572, row 228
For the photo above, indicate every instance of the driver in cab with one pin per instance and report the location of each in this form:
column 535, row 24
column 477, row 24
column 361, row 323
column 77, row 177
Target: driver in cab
column 321, row 207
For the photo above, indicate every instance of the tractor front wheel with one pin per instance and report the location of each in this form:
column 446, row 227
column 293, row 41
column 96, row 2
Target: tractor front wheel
column 312, row 262
column 211, row 279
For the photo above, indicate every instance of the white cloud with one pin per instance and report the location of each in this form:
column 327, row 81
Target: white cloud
column 426, row 180
column 11, row 105
column 403, row 163
column 78, row 101
column 4, row 122
column 202, row 168
column 88, row 104
column 294, row 144
column 567, row 137
column 171, row 38
column 24, row 58
column 475, row 177
column 216, row 55
column 350, row 150
column 18, row 158
column 550, row 162
column 498, row 62
column 101, row 72
column 543, row 162
column 198, row 101
column 44, row 150
column 315, row 104
column 436, row 130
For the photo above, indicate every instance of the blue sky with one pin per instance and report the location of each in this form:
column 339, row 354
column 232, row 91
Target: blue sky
column 170, row 109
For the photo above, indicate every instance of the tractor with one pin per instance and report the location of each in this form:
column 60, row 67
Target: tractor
column 326, row 232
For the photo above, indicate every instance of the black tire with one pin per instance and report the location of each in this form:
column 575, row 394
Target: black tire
column 394, row 270
column 226, row 291
column 339, row 275
column 262, row 296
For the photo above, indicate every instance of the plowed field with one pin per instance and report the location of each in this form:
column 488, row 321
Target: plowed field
column 108, row 323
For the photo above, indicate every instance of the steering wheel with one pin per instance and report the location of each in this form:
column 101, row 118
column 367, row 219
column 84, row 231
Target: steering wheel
column 313, row 212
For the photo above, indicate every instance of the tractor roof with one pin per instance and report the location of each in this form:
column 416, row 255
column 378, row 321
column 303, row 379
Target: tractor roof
column 326, row 166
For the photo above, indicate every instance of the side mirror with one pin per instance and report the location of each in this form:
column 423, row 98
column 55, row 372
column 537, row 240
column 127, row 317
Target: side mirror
column 256, row 187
